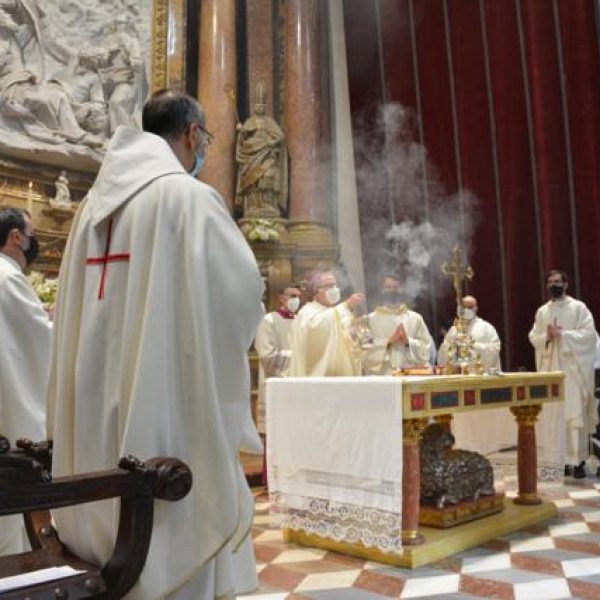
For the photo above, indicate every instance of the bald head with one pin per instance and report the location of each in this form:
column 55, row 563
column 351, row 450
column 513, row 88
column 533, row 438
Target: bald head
column 469, row 307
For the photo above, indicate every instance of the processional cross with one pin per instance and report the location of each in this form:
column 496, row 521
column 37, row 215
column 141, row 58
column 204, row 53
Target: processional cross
column 458, row 273
column 105, row 259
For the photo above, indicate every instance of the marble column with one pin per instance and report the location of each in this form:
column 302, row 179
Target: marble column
column 302, row 110
column 342, row 172
column 217, row 89
column 411, row 481
column 526, row 416
column 259, row 31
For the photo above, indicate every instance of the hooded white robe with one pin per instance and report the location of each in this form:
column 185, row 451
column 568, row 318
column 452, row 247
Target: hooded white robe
column 563, row 429
column 490, row 430
column 150, row 358
column 25, row 361
column 321, row 343
column 382, row 358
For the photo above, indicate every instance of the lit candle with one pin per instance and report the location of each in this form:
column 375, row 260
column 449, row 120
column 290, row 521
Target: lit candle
column 30, row 199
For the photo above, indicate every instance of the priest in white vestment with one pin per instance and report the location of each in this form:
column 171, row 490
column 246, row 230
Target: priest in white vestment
column 322, row 340
column 24, row 353
column 159, row 300
column 483, row 431
column 401, row 338
column 564, row 338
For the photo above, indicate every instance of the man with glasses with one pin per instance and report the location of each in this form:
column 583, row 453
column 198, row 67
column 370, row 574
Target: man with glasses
column 24, row 352
column 321, row 340
column 150, row 353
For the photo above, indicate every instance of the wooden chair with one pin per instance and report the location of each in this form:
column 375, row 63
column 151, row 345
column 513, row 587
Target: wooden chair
column 26, row 487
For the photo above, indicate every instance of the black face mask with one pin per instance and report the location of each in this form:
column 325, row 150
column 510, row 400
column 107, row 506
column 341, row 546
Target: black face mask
column 556, row 290
column 31, row 253
column 391, row 298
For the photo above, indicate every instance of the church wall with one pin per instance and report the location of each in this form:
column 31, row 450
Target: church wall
column 504, row 98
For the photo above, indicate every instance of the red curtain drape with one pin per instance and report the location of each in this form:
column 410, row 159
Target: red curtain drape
column 506, row 101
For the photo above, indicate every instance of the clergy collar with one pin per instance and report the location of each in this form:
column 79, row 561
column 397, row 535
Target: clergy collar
column 11, row 260
column 285, row 313
column 391, row 310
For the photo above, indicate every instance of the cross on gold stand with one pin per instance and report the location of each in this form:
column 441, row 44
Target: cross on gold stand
column 458, row 272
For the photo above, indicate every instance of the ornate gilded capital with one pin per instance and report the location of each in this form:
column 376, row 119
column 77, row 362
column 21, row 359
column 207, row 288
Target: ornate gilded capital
column 159, row 58
column 412, row 429
column 526, row 415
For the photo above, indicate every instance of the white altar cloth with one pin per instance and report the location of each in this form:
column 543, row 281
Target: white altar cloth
column 334, row 457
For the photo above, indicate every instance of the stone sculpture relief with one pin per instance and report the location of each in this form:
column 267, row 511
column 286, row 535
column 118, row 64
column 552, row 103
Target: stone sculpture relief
column 70, row 73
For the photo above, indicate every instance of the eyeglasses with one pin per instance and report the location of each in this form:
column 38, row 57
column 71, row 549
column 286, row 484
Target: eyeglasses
column 209, row 138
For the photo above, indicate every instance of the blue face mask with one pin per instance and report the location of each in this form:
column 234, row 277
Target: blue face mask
column 198, row 162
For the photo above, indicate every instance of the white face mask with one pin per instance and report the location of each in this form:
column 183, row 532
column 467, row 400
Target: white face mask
column 333, row 295
column 293, row 304
column 468, row 313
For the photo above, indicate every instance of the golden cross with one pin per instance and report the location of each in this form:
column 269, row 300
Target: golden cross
column 458, row 272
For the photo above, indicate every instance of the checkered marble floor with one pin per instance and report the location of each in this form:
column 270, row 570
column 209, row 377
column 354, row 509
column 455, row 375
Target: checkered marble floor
column 559, row 558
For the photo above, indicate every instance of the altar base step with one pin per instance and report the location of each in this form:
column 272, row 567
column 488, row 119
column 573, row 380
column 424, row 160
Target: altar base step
column 439, row 543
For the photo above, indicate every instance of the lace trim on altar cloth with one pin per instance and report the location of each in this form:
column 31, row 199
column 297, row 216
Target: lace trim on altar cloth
column 338, row 521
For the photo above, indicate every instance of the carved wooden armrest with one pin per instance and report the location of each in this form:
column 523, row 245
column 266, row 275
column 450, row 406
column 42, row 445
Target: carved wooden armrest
column 26, row 486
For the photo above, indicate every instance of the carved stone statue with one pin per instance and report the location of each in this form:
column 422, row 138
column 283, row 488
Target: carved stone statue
column 63, row 194
column 261, row 156
column 84, row 86
column 449, row 476
column 39, row 108
column 125, row 76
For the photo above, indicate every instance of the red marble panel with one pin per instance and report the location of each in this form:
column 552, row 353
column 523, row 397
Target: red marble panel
column 417, row 401
column 469, row 397
column 380, row 584
column 577, row 546
column 523, row 560
column 583, row 589
column 281, row 577
column 485, row 588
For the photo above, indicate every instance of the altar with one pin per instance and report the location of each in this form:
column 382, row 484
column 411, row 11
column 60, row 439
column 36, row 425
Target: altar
column 344, row 466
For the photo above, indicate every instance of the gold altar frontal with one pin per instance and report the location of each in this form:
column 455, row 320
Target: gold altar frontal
column 439, row 543
column 439, row 397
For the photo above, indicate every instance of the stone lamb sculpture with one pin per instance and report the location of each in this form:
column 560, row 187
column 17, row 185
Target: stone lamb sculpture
column 449, row 476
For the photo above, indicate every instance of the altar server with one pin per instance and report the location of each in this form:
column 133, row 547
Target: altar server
column 272, row 344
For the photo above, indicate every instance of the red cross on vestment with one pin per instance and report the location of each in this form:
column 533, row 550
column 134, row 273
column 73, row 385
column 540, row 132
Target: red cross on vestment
column 105, row 259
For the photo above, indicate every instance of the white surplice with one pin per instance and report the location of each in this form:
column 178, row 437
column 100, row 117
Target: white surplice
column 150, row 359
column 272, row 344
column 321, row 343
column 563, row 429
column 381, row 358
column 24, row 360
column 482, row 431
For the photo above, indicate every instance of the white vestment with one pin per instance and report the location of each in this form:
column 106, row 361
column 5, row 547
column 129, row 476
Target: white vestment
column 381, row 358
column 150, row 359
column 272, row 345
column 25, row 360
column 563, row 430
column 321, row 343
column 483, row 431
